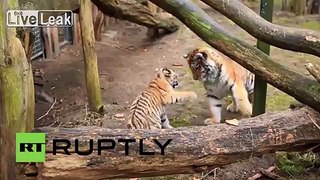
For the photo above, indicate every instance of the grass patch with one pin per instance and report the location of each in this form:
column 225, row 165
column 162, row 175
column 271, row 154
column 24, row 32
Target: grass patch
column 294, row 163
column 279, row 101
column 312, row 25
column 180, row 122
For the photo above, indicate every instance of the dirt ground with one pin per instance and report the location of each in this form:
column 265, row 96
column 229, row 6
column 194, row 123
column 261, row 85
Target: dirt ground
column 127, row 61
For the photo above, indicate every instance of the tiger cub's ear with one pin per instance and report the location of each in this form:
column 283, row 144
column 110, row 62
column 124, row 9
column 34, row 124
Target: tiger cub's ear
column 159, row 73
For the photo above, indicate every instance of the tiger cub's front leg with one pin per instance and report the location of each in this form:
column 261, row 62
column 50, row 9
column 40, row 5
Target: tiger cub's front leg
column 215, row 106
column 175, row 96
column 165, row 121
column 240, row 100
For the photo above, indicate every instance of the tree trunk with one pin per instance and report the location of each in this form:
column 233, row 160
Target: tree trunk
column 90, row 58
column 300, row 40
column 135, row 12
column 16, row 93
column 192, row 150
column 308, row 91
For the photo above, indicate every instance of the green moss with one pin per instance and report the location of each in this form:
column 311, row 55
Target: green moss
column 294, row 163
column 314, row 88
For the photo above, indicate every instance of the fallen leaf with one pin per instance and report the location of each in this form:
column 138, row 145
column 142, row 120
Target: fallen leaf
column 177, row 64
column 119, row 115
column 233, row 122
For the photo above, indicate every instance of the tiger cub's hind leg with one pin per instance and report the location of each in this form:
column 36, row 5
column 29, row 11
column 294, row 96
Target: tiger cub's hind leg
column 165, row 122
column 241, row 100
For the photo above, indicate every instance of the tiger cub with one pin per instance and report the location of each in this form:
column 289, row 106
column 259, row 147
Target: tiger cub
column 222, row 76
column 148, row 109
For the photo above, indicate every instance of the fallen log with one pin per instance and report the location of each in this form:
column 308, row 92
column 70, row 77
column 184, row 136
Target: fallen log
column 295, row 39
column 135, row 12
column 192, row 150
column 300, row 87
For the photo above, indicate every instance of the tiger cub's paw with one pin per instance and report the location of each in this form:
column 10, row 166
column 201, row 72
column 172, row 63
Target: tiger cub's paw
column 246, row 112
column 193, row 95
column 210, row 121
column 232, row 108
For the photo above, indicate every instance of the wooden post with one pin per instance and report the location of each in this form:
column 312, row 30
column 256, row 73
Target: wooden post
column 260, row 86
column 75, row 37
column 17, row 101
column 285, row 5
column 98, row 26
column 55, row 41
column 95, row 12
column 90, row 58
column 105, row 23
column 300, row 6
column 152, row 32
column 47, row 42
column 79, row 30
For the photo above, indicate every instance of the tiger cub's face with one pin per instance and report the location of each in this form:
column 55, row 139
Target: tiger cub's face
column 199, row 63
column 169, row 75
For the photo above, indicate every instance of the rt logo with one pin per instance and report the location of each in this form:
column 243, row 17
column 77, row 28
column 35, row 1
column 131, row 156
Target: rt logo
column 30, row 147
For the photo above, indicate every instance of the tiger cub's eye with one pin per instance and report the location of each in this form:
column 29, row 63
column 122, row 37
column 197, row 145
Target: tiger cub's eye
column 195, row 65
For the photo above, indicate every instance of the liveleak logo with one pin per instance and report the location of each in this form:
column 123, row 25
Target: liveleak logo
column 39, row 18
column 31, row 147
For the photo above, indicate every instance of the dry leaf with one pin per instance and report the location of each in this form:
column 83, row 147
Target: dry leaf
column 233, row 122
column 177, row 64
column 119, row 115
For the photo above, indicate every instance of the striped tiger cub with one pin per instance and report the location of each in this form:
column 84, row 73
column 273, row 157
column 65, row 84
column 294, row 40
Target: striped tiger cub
column 222, row 76
column 148, row 109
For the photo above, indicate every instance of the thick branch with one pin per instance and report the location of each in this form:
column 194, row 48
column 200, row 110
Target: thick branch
column 294, row 39
column 314, row 70
column 304, row 89
column 192, row 150
column 135, row 12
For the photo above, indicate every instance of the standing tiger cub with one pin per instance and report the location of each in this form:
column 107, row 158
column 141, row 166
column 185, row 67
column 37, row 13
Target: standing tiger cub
column 148, row 109
column 222, row 76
